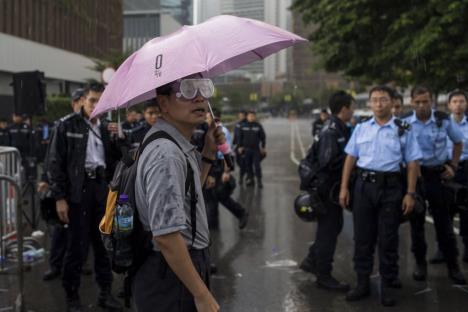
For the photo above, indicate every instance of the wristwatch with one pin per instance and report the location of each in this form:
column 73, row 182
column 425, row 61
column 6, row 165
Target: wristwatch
column 412, row 194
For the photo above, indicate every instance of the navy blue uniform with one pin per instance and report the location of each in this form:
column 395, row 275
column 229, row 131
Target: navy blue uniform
column 331, row 155
column 21, row 138
column 4, row 137
column 432, row 138
column 251, row 138
column 378, row 193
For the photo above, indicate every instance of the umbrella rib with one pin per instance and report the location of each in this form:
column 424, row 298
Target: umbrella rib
column 257, row 54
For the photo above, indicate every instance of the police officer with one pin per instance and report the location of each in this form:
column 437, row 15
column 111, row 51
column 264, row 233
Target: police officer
column 131, row 122
column 330, row 157
column 20, row 136
column 242, row 118
column 432, row 129
column 81, row 160
column 378, row 146
column 319, row 123
column 4, row 135
column 457, row 104
column 150, row 113
column 252, row 141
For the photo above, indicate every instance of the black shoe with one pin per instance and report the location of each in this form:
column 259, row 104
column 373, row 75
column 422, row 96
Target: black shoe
column 361, row 291
column 244, row 220
column 109, row 302
column 330, row 283
column 50, row 274
column 308, row 265
column 438, row 258
column 74, row 303
column 395, row 284
column 420, row 272
column 456, row 275
column 386, row 295
column 213, row 268
column 249, row 182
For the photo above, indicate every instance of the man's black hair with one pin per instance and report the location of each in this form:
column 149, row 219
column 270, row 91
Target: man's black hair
column 150, row 103
column 95, row 87
column 457, row 92
column 3, row 119
column 324, row 110
column 338, row 100
column 398, row 96
column 383, row 88
column 419, row 90
column 252, row 112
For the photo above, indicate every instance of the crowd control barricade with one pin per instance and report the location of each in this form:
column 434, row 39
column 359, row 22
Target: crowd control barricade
column 11, row 229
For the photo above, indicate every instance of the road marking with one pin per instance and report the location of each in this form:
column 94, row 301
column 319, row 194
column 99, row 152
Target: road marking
column 293, row 146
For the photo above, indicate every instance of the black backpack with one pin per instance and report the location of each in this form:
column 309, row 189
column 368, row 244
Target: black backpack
column 123, row 182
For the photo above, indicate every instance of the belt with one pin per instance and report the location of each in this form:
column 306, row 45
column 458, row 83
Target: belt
column 95, row 173
column 432, row 170
column 372, row 176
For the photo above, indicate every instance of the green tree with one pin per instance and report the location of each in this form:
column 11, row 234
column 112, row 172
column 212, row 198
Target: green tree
column 407, row 42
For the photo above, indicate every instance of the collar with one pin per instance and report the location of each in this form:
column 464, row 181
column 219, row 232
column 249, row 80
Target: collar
column 462, row 122
column 162, row 125
column 390, row 123
column 414, row 119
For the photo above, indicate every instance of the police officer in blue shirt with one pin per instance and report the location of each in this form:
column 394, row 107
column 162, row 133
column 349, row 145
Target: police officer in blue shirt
column 432, row 129
column 378, row 147
column 457, row 104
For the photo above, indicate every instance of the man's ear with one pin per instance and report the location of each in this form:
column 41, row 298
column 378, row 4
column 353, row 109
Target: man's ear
column 163, row 101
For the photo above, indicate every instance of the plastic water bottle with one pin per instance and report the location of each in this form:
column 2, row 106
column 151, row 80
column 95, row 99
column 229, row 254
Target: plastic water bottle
column 123, row 227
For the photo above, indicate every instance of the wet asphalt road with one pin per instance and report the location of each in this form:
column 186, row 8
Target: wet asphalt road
column 257, row 267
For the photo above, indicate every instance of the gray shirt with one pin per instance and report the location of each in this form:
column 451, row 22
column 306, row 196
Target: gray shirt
column 163, row 204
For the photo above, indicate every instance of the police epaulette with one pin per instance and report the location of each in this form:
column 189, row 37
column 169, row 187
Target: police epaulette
column 64, row 118
column 402, row 125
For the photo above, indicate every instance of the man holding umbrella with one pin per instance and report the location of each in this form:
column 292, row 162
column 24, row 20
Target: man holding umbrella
column 176, row 272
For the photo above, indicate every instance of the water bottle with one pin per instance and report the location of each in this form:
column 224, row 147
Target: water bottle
column 123, row 227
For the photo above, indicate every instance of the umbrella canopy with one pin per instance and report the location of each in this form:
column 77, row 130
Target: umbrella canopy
column 212, row 48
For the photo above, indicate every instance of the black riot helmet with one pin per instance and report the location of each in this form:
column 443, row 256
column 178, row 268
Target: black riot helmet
column 308, row 206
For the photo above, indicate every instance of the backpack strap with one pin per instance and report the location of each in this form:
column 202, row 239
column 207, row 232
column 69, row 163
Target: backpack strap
column 439, row 117
column 189, row 181
column 402, row 125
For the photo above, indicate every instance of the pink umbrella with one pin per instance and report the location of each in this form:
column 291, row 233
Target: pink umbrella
column 212, row 48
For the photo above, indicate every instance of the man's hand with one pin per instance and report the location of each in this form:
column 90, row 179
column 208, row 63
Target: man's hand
column 263, row 152
column 408, row 204
column 448, row 174
column 226, row 177
column 42, row 187
column 344, row 198
column 214, row 137
column 240, row 150
column 210, row 182
column 113, row 127
column 62, row 210
column 206, row 303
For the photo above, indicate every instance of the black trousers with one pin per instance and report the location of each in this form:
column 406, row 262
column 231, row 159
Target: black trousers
column 252, row 161
column 240, row 159
column 461, row 177
column 439, row 209
column 83, row 231
column 212, row 200
column 376, row 215
column 157, row 288
column 329, row 226
column 58, row 245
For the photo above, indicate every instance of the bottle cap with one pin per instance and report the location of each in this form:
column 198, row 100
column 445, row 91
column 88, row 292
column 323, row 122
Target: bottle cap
column 123, row 198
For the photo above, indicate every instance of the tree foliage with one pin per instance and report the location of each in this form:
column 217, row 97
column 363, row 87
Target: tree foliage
column 407, row 42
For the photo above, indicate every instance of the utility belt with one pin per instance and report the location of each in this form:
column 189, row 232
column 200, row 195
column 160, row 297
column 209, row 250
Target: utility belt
column 379, row 177
column 98, row 173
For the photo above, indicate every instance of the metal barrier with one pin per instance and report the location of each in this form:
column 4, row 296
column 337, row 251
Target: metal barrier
column 11, row 210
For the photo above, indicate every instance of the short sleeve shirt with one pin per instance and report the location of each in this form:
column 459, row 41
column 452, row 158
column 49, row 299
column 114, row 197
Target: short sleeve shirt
column 381, row 148
column 161, row 198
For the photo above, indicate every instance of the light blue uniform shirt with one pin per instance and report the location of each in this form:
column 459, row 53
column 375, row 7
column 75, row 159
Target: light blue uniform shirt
column 380, row 148
column 463, row 126
column 433, row 139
